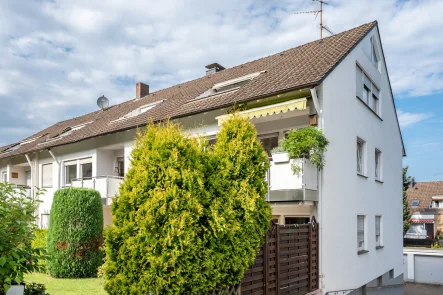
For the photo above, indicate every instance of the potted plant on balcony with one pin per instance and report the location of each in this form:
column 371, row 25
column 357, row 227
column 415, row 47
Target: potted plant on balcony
column 279, row 155
column 308, row 143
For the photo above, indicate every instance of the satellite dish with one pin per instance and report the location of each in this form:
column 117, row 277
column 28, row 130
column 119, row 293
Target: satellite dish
column 102, row 102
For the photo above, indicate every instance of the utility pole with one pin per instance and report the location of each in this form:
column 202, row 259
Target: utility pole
column 319, row 12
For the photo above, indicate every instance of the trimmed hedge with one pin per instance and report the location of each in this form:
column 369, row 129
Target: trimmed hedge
column 189, row 218
column 39, row 242
column 75, row 233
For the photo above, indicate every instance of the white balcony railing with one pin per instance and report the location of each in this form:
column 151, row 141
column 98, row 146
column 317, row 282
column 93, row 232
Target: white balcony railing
column 107, row 186
column 285, row 186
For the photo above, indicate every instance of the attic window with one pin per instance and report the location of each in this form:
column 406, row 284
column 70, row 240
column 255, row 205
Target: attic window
column 375, row 53
column 415, row 203
column 67, row 131
column 229, row 85
column 30, row 140
column 11, row 149
column 140, row 110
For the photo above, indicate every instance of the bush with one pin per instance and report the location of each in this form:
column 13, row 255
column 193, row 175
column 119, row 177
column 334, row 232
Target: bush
column 75, row 233
column 35, row 289
column 39, row 242
column 188, row 218
column 309, row 143
column 17, row 225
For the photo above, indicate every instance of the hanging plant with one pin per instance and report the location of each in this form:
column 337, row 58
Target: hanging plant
column 309, row 143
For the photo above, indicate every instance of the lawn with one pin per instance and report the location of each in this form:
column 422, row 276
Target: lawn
column 68, row 286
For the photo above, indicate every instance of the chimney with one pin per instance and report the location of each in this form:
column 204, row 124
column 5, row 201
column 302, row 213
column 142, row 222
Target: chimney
column 141, row 90
column 214, row 68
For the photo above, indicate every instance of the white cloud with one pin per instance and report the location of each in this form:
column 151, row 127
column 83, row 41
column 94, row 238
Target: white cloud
column 57, row 57
column 407, row 119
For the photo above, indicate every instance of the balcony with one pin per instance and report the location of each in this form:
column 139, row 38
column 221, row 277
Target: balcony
column 287, row 186
column 107, row 186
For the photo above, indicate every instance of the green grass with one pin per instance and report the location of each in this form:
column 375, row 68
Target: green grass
column 68, row 286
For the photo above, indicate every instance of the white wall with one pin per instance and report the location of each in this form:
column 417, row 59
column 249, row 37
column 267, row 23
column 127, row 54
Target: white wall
column 346, row 194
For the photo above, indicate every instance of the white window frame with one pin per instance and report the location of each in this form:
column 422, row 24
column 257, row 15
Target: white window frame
column 44, row 185
column 65, row 175
column 4, row 177
column 361, row 233
column 367, row 91
column 82, row 162
column 361, row 156
column 378, row 162
column 378, row 231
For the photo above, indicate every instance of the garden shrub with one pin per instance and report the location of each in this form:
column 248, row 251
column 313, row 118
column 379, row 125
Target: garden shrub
column 39, row 242
column 189, row 218
column 35, row 289
column 17, row 226
column 75, row 233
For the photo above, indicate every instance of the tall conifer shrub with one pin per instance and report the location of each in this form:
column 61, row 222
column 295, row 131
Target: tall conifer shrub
column 189, row 217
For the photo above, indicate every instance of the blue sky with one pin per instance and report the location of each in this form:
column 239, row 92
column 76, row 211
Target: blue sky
column 57, row 57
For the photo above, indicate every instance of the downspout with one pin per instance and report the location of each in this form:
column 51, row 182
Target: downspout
column 32, row 175
column 320, row 191
column 59, row 168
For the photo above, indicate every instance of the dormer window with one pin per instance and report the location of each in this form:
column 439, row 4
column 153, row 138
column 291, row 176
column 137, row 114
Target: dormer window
column 229, row 85
column 138, row 111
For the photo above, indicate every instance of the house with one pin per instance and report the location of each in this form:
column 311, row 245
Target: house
column 425, row 202
column 339, row 84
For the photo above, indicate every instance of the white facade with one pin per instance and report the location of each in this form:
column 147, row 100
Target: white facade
column 335, row 196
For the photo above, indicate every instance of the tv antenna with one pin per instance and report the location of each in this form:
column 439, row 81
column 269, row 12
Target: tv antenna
column 319, row 12
column 103, row 102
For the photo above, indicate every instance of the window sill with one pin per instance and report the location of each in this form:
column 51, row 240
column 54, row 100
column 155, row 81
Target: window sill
column 362, row 175
column 369, row 108
column 362, row 252
column 379, row 181
column 379, row 247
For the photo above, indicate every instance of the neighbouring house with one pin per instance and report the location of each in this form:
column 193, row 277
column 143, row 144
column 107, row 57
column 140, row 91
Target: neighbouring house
column 425, row 202
column 339, row 84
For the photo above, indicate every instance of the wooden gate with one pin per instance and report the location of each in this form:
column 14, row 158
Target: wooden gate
column 287, row 263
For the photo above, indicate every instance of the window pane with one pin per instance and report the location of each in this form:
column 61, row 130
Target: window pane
column 360, row 231
column 70, row 173
column 47, row 175
column 360, row 156
column 269, row 142
column 86, row 170
column 359, row 82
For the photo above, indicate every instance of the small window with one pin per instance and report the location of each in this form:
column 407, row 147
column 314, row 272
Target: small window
column 374, row 53
column 296, row 220
column 361, row 233
column 44, row 221
column 378, row 231
column 47, row 175
column 4, row 177
column 415, row 203
column 70, row 172
column 360, row 155
column 377, row 164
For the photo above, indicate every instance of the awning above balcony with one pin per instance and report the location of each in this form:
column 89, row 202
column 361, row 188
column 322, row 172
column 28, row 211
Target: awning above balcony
column 274, row 109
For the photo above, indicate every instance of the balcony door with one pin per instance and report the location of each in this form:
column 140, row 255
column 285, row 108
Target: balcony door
column 269, row 141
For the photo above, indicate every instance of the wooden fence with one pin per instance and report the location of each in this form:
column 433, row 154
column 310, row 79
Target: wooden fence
column 287, row 263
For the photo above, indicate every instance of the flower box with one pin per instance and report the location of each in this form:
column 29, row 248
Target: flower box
column 282, row 157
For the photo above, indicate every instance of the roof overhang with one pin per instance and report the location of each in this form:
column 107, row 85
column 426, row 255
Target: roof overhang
column 269, row 110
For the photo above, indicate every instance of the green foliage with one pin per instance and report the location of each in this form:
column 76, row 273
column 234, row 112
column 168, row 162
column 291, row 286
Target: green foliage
column 189, row 217
column 35, row 289
column 75, row 233
column 407, row 180
column 309, row 143
column 39, row 242
column 17, row 225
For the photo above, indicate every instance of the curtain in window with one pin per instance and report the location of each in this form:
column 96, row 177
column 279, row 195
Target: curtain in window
column 360, row 231
column 47, row 175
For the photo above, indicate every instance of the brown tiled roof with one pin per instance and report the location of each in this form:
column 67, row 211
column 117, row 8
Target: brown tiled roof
column 304, row 66
column 423, row 192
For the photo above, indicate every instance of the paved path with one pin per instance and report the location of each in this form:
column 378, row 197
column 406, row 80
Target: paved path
column 422, row 289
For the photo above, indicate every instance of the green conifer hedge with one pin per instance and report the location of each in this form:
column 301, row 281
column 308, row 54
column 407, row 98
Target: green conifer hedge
column 75, row 233
column 189, row 217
